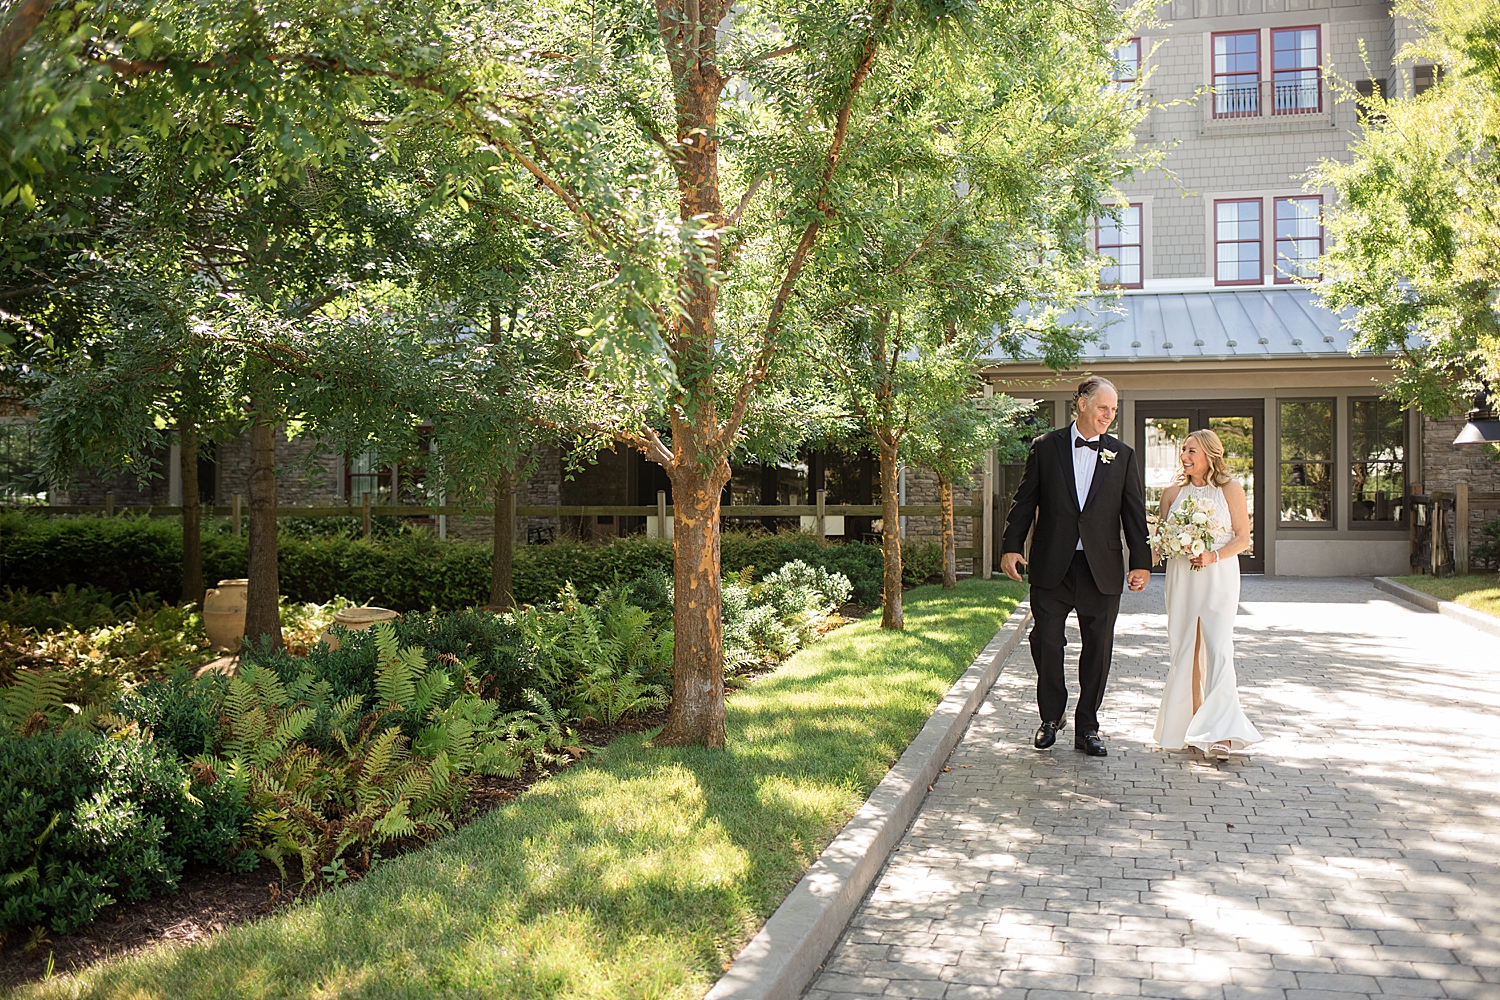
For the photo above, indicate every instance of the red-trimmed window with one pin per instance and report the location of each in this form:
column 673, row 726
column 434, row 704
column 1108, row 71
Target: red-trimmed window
column 1237, row 74
column 1122, row 242
column 1299, row 238
column 1127, row 68
column 1296, row 71
column 1237, row 238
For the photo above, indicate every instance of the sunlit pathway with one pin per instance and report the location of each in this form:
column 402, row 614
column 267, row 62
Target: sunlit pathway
column 1355, row 853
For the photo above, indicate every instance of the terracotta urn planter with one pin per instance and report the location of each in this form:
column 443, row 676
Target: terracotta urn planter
column 355, row 620
column 224, row 614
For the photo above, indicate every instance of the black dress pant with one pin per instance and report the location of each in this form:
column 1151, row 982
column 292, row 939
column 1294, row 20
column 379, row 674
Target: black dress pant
column 1096, row 620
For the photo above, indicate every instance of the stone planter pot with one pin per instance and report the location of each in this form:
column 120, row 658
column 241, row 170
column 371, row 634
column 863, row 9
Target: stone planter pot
column 224, row 614
column 355, row 620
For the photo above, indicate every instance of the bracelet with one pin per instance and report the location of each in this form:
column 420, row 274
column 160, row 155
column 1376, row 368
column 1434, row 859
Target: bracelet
column 1216, row 555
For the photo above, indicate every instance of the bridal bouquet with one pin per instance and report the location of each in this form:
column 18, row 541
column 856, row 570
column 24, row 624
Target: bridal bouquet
column 1188, row 531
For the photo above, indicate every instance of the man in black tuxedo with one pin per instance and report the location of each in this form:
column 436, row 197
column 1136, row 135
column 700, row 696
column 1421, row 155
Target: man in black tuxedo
column 1083, row 488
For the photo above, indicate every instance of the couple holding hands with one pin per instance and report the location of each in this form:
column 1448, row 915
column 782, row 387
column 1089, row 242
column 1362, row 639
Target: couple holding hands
column 1081, row 491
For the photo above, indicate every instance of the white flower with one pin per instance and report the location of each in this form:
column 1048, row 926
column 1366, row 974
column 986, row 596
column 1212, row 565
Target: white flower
column 1200, row 518
column 1106, row 456
column 1184, row 539
column 1198, row 547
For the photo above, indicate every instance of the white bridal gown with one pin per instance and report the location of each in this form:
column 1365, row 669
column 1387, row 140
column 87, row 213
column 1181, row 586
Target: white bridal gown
column 1210, row 596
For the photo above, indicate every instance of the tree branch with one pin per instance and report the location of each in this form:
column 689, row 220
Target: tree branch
column 552, row 184
column 767, row 351
column 739, row 210
column 649, row 127
column 785, row 50
column 18, row 31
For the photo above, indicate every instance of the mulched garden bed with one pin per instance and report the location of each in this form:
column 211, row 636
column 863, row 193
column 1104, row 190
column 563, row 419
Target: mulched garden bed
column 209, row 901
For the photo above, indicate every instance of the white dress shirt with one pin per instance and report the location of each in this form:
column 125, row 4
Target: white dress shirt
column 1085, row 460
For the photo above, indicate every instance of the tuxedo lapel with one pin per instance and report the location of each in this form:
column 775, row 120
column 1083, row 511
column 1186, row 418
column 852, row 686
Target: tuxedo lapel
column 1100, row 468
column 1065, row 454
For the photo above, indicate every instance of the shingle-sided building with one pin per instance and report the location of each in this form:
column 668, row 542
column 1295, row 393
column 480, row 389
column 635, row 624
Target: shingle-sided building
column 1214, row 325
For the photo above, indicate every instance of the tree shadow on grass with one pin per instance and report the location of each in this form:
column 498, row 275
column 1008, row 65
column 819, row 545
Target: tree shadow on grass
column 637, row 873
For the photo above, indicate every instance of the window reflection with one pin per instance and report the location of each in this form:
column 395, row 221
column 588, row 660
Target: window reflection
column 1377, row 447
column 1306, row 452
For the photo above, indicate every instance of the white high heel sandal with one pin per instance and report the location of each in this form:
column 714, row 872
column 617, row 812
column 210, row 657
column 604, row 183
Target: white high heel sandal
column 1219, row 751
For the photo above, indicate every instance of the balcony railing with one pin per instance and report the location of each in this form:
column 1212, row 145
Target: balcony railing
column 1290, row 95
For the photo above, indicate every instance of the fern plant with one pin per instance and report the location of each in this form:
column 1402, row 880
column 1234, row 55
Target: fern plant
column 317, row 806
column 610, row 695
column 34, row 702
column 369, row 784
column 542, row 734
column 602, row 662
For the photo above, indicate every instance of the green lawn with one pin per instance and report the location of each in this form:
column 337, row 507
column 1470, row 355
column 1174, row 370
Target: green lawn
column 1480, row 591
column 638, row 873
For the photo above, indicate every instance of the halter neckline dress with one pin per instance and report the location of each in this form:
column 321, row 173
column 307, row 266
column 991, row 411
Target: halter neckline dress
column 1210, row 597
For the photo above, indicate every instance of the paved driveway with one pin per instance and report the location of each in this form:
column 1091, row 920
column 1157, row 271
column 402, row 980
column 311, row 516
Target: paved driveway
column 1356, row 852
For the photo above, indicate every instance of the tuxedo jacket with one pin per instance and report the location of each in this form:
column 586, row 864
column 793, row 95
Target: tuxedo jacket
column 1116, row 502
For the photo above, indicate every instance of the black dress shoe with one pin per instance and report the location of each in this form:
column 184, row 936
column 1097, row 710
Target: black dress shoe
column 1046, row 735
column 1091, row 744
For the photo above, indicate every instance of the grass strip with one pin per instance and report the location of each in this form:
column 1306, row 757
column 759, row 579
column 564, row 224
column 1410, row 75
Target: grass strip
column 636, row 874
column 1479, row 591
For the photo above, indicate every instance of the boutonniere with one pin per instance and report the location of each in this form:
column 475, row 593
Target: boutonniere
column 1106, row 456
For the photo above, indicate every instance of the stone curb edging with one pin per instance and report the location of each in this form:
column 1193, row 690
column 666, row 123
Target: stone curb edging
column 1470, row 617
column 783, row 957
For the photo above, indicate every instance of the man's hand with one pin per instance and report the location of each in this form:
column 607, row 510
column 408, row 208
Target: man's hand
column 1010, row 564
column 1138, row 579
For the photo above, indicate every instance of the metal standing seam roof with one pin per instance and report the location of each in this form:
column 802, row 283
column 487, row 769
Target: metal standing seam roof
column 1258, row 323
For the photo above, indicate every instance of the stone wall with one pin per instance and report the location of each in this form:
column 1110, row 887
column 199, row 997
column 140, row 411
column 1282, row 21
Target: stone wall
column 304, row 477
column 305, row 474
column 1445, row 465
column 89, row 490
column 542, row 488
column 922, row 487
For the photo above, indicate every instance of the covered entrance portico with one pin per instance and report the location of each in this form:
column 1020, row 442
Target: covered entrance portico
column 1325, row 461
column 1161, row 426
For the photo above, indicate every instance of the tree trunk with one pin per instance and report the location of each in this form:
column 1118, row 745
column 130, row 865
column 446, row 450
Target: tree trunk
column 697, row 712
column 262, row 614
column 698, row 465
column 950, row 541
column 892, row 615
column 25, row 17
column 502, row 593
column 192, row 516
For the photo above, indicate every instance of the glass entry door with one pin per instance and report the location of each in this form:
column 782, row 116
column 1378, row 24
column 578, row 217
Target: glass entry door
column 1160, row 428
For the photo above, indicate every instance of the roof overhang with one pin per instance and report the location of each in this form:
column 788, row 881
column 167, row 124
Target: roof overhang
column 1261, row 325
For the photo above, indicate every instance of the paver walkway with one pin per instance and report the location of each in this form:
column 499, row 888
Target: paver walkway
column 1354, row 853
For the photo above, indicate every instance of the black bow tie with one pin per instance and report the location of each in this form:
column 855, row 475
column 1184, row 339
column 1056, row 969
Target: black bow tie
column 1081, row 443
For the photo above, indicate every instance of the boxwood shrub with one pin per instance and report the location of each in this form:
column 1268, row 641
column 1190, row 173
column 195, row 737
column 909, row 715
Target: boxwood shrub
column 89, row 820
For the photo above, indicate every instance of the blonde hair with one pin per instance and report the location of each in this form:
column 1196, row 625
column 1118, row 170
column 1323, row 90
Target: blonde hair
column 1218, row 469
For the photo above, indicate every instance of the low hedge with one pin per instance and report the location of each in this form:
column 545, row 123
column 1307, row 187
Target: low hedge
column 413, row 571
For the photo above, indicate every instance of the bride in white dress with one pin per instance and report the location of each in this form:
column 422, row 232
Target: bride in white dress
column 1201, row 704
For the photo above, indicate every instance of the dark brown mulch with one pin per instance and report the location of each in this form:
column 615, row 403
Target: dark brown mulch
column 209, row 901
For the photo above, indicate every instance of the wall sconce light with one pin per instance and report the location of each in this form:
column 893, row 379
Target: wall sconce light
column 1483, row 427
